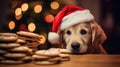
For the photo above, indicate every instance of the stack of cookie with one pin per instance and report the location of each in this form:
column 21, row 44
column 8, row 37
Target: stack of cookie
column 12, row 51
column 50, row 56
column 64, row 53
column 32, row 39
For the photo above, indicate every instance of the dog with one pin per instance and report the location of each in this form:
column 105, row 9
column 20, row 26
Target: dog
column 83, row 38
column 74, row 28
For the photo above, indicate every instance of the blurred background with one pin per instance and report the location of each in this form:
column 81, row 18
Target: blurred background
column 37, row 16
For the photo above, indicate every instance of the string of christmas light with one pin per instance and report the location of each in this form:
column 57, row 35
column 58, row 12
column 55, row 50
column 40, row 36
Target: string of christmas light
column 42, row 12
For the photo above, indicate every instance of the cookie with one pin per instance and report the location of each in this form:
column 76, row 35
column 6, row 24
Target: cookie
column 55, row 59
column 40, row 57
column 61, row 50
column 33, row 45
column 2, row 58
column 47, row 57
column 65, row 57
column 11, row 62
column 47, row 53
column 30, row 52
column 2, row 52
column 28, row 34
column 20, row 41
column 8, row 34
column 15, row 55
column 9, row 45
column 64, row 51
column 20, row 49
column 26, row 58
column 8, row 38
column 45, row 62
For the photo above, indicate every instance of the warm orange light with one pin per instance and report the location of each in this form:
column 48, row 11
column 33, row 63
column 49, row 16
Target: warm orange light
column 24, row 7
column 49, row 18
column 54, row 5
column 31, row 27
column 18, row 17
column 11, row 25
column 18, row 11
column 42, row 39
column 37, row 8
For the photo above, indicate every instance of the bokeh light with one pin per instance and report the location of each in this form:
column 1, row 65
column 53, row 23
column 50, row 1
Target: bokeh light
column 42, row 39
column 37, row 8
column 11, row 25
column 49, row 18
column 31, row 27
column 24, row 7
column 54, row 5
column 18, row 17
column 18, row 11
column 22, row 27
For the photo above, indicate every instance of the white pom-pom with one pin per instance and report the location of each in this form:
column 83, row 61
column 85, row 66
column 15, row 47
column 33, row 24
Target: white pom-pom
column 53, row 38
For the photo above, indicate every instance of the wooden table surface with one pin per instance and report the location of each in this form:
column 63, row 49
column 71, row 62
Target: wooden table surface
column 89, row 60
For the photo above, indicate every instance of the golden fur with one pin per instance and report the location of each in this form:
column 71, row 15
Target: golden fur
column 90, row 39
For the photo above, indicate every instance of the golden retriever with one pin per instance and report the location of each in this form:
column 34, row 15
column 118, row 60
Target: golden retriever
column 86, row 37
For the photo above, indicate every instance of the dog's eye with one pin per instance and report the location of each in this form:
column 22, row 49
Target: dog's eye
column 83, row 31
column 68, row 32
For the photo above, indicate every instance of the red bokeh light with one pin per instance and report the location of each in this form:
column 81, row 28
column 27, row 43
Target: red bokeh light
column 22, row 27
column 49, row 18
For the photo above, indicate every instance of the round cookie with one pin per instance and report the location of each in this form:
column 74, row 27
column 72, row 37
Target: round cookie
column 9, row 45
column 15, row 55
column 26, row 58
column 55, row 59
column 49, row 53
column 8, row 34
column 30, row 52
column 20, row 49
column 64, row 57
column 11, row 62
column 64, row 51
column 28, row 34
column 2, row 58
column 45, row 62
column 40, row 57
column 8, row 38
column 2, row 52
column 20, row 41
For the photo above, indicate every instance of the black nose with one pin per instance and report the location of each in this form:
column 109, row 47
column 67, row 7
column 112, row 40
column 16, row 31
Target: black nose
column 75, row 45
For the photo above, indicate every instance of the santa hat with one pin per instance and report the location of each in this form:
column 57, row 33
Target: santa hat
column 68, row 16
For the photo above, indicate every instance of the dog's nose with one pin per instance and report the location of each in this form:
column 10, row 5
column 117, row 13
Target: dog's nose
column 75, row 45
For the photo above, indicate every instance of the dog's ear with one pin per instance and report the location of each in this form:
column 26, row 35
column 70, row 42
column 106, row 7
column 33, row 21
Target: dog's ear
column 62, row 43
column 98, row 35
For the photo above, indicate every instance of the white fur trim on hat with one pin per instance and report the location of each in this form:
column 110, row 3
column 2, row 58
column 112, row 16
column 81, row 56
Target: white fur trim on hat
column 53, row 38
column 75, row 18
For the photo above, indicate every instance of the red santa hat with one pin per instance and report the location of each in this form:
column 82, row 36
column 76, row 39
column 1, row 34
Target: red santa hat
column 68, row 16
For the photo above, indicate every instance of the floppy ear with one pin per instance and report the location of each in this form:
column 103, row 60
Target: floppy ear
column 98, row 35
column 62, row 43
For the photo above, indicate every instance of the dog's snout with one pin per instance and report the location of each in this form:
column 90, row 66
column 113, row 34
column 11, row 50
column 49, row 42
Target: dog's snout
column 75, row 45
